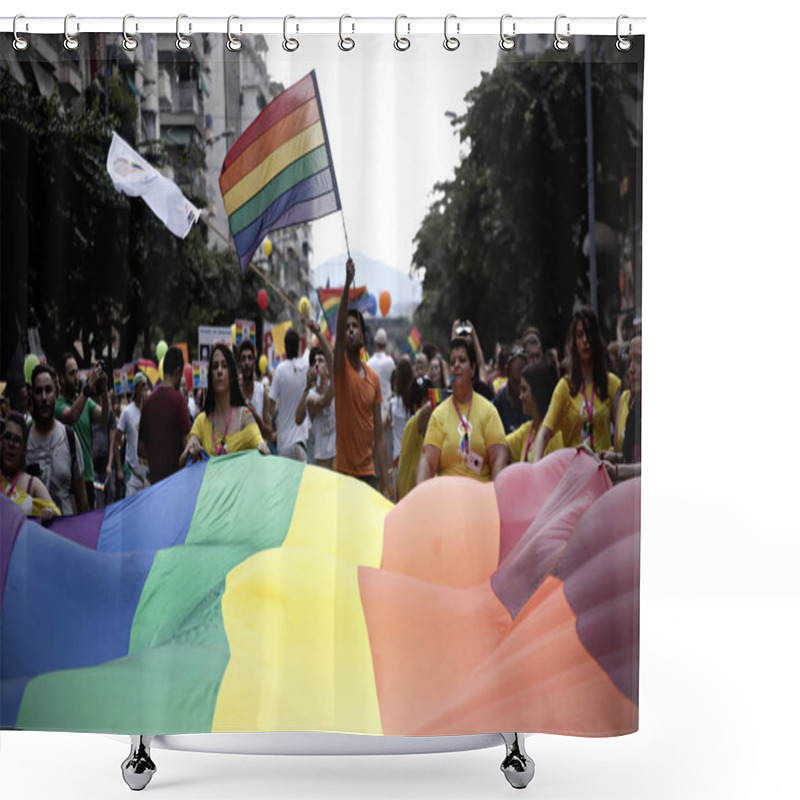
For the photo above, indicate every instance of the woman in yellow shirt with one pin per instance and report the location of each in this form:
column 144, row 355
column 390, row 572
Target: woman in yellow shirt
column 225, row 425
column 536, row 388
column 465, row 435
column 584, row 402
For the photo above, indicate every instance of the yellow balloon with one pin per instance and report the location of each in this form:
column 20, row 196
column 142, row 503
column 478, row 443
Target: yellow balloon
column 161, row 369
column 304, row 306
column 262, row 365
column 267, row 247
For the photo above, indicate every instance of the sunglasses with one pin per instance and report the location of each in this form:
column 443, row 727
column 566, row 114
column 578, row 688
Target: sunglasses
column 12, row 438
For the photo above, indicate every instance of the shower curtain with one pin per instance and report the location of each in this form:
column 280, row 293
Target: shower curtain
column 160, row 196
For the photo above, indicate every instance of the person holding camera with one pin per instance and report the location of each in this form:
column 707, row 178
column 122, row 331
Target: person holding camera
column 76, row 407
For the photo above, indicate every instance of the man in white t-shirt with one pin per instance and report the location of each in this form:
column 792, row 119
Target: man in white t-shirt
column 285, row 391
column 128, row 425
column 252, row 389
column 383, row 364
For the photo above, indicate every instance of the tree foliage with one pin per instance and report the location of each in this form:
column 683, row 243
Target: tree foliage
column 77, row 256
column 501, row 244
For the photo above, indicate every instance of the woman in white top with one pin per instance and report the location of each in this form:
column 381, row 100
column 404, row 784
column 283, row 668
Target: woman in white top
column 318, row 401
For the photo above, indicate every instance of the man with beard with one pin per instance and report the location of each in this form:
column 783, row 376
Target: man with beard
column 53, row 450
column 359, row 425
column 252, row 389
column 76, row 408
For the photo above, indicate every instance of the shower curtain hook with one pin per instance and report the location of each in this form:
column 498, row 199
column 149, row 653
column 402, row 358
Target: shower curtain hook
column 181, row 42
column 129, row 42
column 401, row 43
column 289, row 44
column 346, row 43
column 19, row 43
column 623, row 44
column 233, row 44
column 561, row 42
column 451, row 42
column 507, row 42
column 70, row 42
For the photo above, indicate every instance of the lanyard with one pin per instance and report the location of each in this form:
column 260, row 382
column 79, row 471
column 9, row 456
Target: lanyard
column 464, row 422
column 220, row 449
column 12, row 485
column 531, row 439
column 589, row 412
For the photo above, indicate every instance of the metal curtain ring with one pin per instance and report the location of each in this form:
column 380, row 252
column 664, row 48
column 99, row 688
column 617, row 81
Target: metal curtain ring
column 181, row 42
column 401, row 43
column 451, row 42
column 289, row 44
column 128, row 42
column 70, row 42
column 345, row 42
column 20, row 43
column 623, row 44
column 233, row 44
column 507, row 42
column 561, row 42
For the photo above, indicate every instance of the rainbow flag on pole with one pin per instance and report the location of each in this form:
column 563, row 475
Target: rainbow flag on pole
column 329, row 301
column 414, row 339
column 279, row 172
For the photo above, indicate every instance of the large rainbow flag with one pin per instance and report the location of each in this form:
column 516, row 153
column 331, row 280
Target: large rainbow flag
column 279, row 172
column 252, row 593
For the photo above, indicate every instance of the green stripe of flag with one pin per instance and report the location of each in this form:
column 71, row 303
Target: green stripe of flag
column 178, row 654
column 310, row 164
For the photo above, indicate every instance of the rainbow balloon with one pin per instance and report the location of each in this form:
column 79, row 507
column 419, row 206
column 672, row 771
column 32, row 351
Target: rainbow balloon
column 244, row 594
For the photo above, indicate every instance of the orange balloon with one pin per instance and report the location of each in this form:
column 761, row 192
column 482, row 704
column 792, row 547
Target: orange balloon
column 385, row 302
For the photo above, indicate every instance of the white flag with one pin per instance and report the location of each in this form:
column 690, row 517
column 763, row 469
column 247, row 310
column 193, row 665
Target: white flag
column 131, row 174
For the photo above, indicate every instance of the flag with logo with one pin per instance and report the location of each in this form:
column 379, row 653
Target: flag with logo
column 134, row 176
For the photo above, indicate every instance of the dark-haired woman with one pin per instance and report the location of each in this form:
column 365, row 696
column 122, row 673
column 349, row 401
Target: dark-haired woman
column 414, row 436
column 585, row 401
column 535, row 390
column 465, row 435
column 225, row 425
column 27, row 491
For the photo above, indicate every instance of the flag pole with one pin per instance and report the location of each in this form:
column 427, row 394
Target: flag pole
column 344, row 228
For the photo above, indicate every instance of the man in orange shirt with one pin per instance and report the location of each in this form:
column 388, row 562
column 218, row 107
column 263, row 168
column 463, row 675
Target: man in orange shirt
column 359, row 429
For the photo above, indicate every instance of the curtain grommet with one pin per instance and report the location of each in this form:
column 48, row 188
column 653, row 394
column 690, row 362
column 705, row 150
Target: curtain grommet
column 128, row 42
column 233, row 44
column 401, row 43
column 70, row 42
column 290, row 44
column 451, row 43
column 561, row 42
column 181, row 42
column 19, row 42
column 507, row 42
column 623, row 44
column 346, row 43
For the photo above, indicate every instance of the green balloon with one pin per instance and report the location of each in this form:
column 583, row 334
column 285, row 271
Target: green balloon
column 31, row 362
column 161, row 349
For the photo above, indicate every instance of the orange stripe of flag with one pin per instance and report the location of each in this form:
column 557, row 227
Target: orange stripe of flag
column 280, row 107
